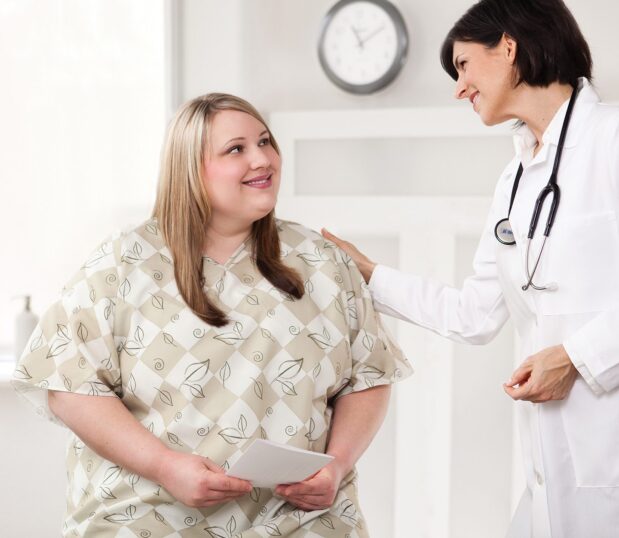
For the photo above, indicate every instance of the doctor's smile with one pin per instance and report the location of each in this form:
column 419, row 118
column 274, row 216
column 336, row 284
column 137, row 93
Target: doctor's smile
column 527, row 61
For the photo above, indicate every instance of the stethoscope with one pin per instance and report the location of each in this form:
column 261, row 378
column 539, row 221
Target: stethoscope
column 503, row 231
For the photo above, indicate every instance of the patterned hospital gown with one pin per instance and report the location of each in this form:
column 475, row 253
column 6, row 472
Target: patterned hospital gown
column 122, row 330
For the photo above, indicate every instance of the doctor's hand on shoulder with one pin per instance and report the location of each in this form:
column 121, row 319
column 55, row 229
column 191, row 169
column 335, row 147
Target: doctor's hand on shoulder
column 547, row 375
column 365, row 265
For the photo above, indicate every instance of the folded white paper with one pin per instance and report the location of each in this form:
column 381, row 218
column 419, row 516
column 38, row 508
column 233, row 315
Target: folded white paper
column 266, row 464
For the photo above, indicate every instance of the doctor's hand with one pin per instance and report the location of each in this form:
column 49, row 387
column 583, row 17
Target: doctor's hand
column 316, row 492
column 547, row 375
column 365, row 265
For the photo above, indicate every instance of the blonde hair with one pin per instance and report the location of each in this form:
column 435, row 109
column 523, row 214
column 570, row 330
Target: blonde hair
column 183, row 212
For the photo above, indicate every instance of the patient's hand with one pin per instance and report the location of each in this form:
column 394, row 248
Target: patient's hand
column 365, row 265
column 315, row 493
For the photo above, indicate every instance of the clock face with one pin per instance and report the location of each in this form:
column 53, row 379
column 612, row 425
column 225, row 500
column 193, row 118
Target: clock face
column 363, row 44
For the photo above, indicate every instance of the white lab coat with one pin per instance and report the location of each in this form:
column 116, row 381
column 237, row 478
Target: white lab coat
column 571, row 447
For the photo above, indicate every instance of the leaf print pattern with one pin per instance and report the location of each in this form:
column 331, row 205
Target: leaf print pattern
column 372, row 372
column 96, row 388
column 174, row 440
column 313, row 259
column 21, row 372
column 233, row 337
column 165, row 397
column 368, row 341
column 272, row 529
column 210, row 387
column 258, row 388
column 97, row 256
column 157, row 302
column 224, row 373
column 109, row 308
column 326, row 521
column 321, row 340
column 151, row 228
column 122, row 518
column 216, row 532
column 168, row 339
column 288, row 370
column 125, row 289
column 310, row 430
column 231, row 525
column 112, row 474
column 267, row 334
column 106, row 493
column 194, row 373
column 82, row 332
column 134, row 255
column 351, row 304
column 36, row 342
column 132, row 384
column 233, row 436
column 136, row 344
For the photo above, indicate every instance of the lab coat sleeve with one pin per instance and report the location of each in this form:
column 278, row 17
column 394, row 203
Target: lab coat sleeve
column 473, row 314
column 594, row 348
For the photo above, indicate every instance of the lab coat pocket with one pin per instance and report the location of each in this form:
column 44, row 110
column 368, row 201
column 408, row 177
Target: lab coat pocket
column 592, row 430
column 583, row 259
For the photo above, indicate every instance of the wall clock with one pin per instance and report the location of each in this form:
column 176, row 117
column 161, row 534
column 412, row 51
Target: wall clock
column 363, row 44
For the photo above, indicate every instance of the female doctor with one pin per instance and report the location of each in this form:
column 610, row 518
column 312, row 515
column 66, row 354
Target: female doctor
column 548, row 257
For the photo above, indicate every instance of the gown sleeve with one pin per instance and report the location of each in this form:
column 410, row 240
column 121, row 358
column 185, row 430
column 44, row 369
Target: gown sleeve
column 375, row 358
column 72, row 349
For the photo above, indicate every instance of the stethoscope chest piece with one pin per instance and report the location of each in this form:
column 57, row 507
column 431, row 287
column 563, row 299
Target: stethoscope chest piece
column 503, row 232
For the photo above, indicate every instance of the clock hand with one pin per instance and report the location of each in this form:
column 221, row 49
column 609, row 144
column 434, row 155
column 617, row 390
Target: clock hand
column 357, row 37
column 372, row 34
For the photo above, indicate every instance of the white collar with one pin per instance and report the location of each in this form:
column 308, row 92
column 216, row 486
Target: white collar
column 525, row 141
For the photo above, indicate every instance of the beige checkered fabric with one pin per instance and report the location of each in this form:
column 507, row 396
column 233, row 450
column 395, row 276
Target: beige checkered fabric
column 121, row 330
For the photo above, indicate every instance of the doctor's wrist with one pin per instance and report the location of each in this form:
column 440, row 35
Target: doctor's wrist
column 366, row 268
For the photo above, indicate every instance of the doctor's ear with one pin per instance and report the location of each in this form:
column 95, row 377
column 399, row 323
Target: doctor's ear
column 510, row 47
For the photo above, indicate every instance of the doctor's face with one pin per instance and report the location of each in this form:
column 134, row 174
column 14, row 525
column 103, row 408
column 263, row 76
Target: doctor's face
column 241, row 170
column 486, row 78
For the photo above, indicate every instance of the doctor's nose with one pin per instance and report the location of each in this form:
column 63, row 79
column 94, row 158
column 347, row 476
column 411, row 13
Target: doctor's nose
column 461, row 87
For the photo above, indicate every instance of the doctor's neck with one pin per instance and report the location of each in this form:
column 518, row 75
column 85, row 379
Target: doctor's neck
column 538, row 106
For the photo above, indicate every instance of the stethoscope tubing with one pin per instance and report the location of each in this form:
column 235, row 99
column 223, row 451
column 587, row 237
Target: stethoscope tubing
column 502, row 230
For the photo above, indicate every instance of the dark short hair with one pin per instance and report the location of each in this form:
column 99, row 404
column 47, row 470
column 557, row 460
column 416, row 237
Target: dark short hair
column 551, row 47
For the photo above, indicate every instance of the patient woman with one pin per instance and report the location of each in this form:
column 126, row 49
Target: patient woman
column 213, row 324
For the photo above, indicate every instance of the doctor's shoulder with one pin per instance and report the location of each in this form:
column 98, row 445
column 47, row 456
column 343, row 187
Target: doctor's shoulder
column 603, row 124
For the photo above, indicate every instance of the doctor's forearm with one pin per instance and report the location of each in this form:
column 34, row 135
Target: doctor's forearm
column 356, row 419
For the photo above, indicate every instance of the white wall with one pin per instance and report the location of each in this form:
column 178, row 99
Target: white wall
column 265, row 50
column 82, row 107
column 83, row 112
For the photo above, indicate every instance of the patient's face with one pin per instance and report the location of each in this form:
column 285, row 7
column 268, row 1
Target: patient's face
column 241, row 169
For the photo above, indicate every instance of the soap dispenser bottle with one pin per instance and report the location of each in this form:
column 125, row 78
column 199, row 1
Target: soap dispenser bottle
column 25, row 323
